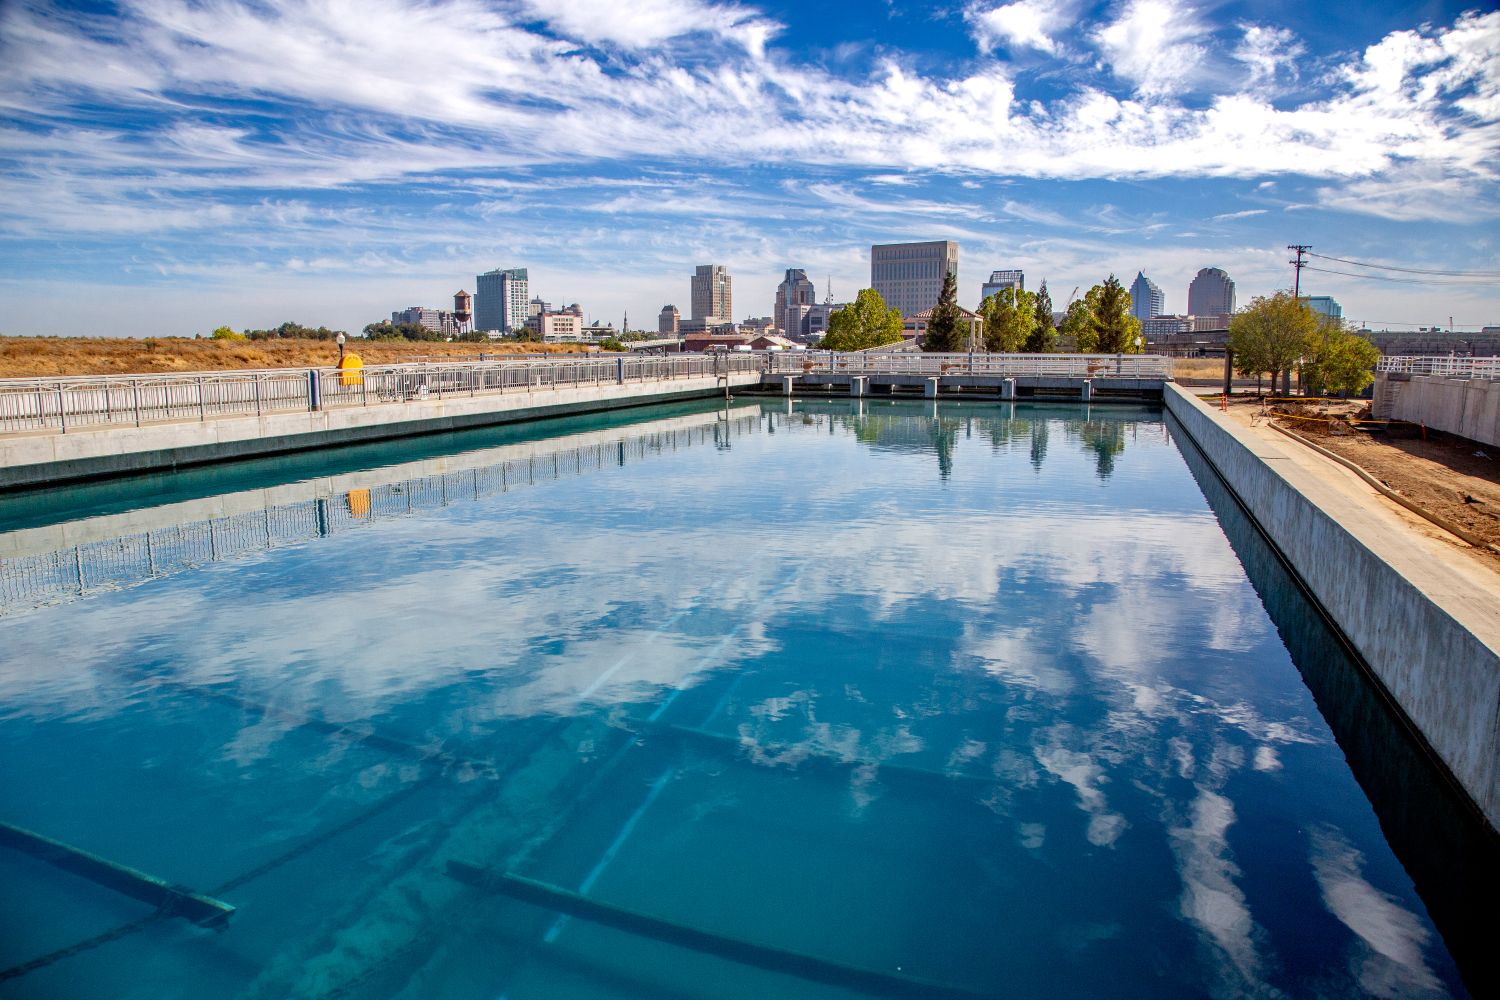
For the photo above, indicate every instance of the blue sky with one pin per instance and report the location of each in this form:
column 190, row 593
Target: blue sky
column 169, row 165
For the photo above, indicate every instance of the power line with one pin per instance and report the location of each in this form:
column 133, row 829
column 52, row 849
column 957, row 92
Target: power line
column 1399, row 281
column 1409, row 270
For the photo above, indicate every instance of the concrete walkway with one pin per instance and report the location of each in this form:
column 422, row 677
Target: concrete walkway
column 41, row 459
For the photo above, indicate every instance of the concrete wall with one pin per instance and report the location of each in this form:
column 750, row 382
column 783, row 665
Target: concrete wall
column 1468, row 407
column 37, row 459
column 1428, row 638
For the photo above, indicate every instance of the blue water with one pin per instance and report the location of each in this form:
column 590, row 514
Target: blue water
column 978, row 695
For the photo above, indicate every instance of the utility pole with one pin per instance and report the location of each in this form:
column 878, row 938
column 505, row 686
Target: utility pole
column 1297, row 265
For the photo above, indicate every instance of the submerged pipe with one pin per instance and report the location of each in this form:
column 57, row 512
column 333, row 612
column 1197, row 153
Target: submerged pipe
column 778, row 960
column 170, row 900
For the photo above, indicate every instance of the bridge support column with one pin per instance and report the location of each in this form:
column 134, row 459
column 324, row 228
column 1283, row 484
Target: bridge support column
column 857, row 385
column 1007, row 388
column 930, row 389
column 786, row 384
column 1087, row 393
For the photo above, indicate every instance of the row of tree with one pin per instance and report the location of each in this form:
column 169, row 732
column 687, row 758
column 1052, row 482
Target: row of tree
column 386, row 330
column 1013, row 321
column 1278, row 333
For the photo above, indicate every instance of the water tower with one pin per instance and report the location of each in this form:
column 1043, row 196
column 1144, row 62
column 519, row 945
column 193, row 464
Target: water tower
column 463, row 311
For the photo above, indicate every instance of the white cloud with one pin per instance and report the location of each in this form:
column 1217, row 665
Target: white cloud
column 1268, row 52
column 1246, row 214
column 1156, row 44
column 1024, row 24
column 641, row 24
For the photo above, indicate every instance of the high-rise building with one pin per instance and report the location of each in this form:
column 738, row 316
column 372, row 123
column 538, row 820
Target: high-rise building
column 428, row 319
column 1001, row 280
column 713, row 297
column 909, row 276
column 503, row 301
column 1325, row 305
column 1146, row 299
column 1211, row 293
column 666, row 323
column 794, row 297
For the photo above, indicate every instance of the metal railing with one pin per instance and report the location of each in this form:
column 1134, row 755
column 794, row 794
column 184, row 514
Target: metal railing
column 1443, row 365
column 1149, row 366
column 89, row 402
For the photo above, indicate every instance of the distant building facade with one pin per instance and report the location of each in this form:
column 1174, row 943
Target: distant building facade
column 558, row 326
column 1325, row 305
column 503, row 301
column 818, row 318
column 427, row 319
column 667, row 322
column 1000, row 281
column 1166, row 326
column 1211, row 293
column 712, row 293
column 915, row 327
column 909, row 276
column 1146, row 299
column 538, row 306
column 795, row 296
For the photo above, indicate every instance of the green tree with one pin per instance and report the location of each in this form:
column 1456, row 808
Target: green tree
column 611, row 344
column 1338, row 360
column 226, row 333
column 866, row 322
column 1119, row 332
column 386, row 330
column 1078, row 327
column 1271, row 335
column 946, row 331
column 1009, row 316
column 1043, row 336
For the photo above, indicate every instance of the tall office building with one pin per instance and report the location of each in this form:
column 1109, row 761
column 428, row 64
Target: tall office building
column 1001, row 280
column 1146, row 300
column 1211, row 293
column 795, row 296
column 713, row 297
column 504, row 299
column 909, row 276
column 1324, row 305
column 666, row 323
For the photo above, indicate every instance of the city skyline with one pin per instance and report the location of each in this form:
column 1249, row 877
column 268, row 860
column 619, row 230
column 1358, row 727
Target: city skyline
column 172, row 174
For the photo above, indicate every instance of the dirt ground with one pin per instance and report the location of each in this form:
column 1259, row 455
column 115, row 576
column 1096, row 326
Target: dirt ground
column 1454, row 478
column 33, row 357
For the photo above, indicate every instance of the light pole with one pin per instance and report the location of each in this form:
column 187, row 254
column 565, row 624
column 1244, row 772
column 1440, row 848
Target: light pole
column 340, row 341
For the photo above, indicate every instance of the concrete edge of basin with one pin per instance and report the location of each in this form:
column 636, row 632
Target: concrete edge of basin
column 1442, row 677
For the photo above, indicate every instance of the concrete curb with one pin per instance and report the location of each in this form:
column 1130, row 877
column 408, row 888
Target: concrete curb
column 1428, row 638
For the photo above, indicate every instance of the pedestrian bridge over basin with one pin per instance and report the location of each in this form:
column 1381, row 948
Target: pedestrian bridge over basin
column 1087, row 377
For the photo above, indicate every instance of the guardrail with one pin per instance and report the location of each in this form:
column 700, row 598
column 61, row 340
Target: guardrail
column 1448, row 366
column 68, row 404
column 1149, row 366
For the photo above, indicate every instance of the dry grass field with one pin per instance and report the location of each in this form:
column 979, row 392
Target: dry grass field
column 23, row 357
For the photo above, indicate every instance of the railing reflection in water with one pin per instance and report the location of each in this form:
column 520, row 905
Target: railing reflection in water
column 27, row 581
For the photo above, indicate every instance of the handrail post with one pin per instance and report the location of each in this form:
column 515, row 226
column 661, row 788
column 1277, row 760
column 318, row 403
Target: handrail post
column 62, row 414
column 135, row 393
column 202, row 410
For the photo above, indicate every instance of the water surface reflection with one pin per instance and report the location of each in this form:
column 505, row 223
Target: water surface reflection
column 978, row 694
